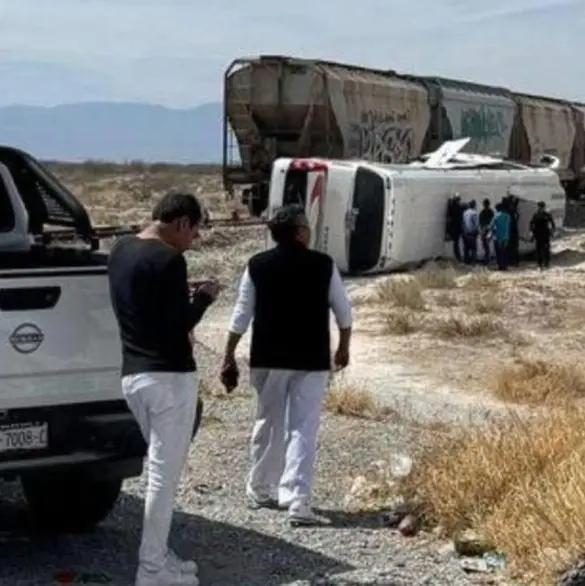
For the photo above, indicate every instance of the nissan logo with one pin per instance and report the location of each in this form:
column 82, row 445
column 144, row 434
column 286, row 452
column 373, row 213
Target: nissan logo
column 26, row 338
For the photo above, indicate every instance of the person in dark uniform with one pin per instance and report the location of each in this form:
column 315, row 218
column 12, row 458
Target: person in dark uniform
column 455, row 224
column 511, row 207
column 485, row 220
column 542, row 227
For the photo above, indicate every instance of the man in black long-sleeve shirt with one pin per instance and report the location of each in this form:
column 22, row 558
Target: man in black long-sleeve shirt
column 542, row 226
column 156, row 312
column 485, row 221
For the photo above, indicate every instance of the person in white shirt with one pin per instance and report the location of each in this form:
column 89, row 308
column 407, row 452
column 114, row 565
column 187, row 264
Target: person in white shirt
column 470, row 233
column 288, row 293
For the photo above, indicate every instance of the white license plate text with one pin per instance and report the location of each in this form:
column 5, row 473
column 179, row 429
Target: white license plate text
column 24, row 437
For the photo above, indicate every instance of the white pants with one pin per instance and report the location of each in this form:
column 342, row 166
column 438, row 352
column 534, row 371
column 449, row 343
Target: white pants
column 284, row 439
column 164, row 404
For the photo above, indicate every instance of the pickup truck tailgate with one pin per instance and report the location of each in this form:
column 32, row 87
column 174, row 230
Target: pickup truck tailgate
column 59, row 338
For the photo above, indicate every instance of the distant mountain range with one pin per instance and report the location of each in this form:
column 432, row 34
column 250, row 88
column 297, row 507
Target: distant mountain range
column 115, row 132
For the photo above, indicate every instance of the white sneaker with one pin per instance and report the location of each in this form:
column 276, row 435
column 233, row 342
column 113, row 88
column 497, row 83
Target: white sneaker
column 303, row 516
column 254, row 503
column 168, row 576
column 184, row 566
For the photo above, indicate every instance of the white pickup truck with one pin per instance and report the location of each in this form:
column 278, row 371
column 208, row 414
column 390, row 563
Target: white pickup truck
column 65, row 429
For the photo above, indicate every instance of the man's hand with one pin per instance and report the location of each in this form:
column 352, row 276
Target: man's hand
column 230, row 374
column 210, row 288
column 341, row 359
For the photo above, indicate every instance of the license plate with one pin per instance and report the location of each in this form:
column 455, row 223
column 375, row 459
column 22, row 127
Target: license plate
column 24, row 437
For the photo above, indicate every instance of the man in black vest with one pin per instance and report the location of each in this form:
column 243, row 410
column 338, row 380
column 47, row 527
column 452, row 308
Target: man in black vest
column 288, row 291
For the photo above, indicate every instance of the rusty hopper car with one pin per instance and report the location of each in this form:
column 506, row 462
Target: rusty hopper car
column 286, row 107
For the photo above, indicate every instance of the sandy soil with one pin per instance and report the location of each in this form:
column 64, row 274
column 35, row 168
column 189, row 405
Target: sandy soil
column 542, row 313
column 429, row 377
column 421, row 373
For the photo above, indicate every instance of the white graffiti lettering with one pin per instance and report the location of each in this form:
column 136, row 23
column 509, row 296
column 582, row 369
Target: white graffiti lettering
column 381, row 137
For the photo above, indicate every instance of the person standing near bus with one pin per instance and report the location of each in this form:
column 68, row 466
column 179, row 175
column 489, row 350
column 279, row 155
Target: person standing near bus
column 470, row 233
column 288, row 292
column 455, row 224
column 156, row 313
column 511, row 203
column 500, row 228
column 542, row 227
column 485, row 219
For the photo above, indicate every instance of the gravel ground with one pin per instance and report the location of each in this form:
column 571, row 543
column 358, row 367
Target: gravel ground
column 237, row 546
column 234, row 545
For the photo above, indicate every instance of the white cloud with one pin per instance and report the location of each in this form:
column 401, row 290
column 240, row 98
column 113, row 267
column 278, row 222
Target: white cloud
column 174, row 52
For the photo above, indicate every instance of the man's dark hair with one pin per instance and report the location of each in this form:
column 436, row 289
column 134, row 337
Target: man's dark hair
column 499, row 207
column 285, row 222
column 541, row 205
column 177, row 204
column 472, row 204
column 486, row 202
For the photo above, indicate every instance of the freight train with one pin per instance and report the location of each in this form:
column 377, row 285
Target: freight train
column 276, row 106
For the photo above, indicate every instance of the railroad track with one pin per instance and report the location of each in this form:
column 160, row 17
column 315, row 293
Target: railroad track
column 103, row 232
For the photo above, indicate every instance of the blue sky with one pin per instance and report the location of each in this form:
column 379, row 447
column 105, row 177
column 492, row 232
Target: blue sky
column 173, row 52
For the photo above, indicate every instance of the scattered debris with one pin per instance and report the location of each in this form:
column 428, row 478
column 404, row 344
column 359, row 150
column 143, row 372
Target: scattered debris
column 400, row 465
column 87, row 578
column 409, row 526
column 495, row 561
column 394, row 516
column 477, row 555
column 574, row 576
column 206, row 489
column 469, row 543
column 375, row 490
column 478, row 565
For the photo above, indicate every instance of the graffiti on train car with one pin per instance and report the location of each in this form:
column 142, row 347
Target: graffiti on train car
column 486, row 127
column 382, row 137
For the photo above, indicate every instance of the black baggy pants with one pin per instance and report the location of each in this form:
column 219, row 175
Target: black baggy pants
column 543, row 251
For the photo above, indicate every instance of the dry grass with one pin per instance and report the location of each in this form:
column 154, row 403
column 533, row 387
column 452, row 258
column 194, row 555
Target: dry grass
column 351, row 400
column 455, row 326
column 401, row 292
column 486, row 303
column 539, row 382
column 400, row 324
column 445, row 300
column 125, row 193
column 520, row 484
column 224, row 258
column 481, row 280
column 438, row 279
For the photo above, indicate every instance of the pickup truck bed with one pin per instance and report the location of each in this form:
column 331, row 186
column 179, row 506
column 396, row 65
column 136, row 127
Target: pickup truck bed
column 65, row 429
